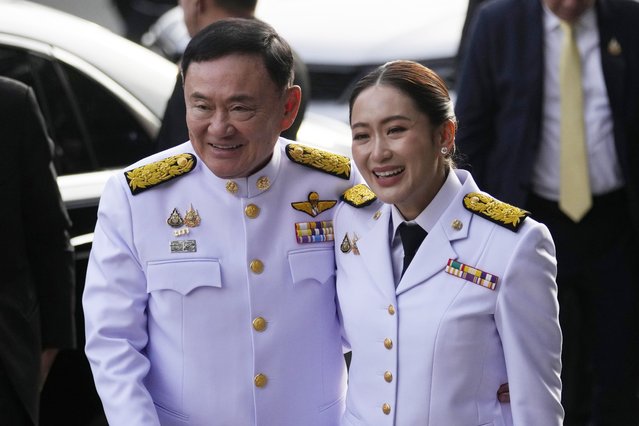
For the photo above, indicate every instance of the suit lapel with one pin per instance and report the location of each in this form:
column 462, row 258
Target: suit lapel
column 613, row 65
column 375, row 252
column 437, row 248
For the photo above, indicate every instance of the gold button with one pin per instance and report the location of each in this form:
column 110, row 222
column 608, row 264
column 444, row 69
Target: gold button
column 260, row 380
column 388, row 376
column 388, row 343
column 256, row 266
column 252, row 211
column 386, row 408
column 391, row 309
column 457, row 225
column 259, row 324
column 377, row 215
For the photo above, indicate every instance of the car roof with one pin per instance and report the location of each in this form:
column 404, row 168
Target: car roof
column 367, row 31
column 146, row 75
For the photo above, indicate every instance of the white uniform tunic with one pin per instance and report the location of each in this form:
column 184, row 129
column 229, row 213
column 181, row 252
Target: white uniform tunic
column 434, row 350
column 241, row 331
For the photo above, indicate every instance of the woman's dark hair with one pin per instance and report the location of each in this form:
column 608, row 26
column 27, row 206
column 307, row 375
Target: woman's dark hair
column 243, row 36
column 416, row 81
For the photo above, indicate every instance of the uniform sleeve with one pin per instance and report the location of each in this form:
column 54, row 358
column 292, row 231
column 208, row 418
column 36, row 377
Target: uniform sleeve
column 114, row 302
column 49, row 250
column 527, row 318
column 474, row 106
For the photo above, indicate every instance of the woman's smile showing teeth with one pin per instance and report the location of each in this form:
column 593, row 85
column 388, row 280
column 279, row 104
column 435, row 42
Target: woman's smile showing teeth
column 388, row 173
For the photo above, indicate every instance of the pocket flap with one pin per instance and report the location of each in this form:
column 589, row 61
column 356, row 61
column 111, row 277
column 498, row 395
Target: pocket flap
column 316, row 265
column 183, row 275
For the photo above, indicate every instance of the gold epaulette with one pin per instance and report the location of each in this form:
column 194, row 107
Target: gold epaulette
column 146, row 177
column 359, row 196
column 327, row 162
column 496, row 211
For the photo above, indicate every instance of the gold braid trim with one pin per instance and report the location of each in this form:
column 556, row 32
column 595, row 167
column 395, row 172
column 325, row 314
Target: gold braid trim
column 145, row 177
column 496, row 211
column 359, row 196
column 327, row 162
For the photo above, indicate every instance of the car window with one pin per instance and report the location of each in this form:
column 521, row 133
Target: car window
column 91, row 127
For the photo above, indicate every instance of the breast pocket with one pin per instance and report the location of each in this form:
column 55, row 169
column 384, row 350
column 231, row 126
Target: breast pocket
column 183, row 276
column 308, row 266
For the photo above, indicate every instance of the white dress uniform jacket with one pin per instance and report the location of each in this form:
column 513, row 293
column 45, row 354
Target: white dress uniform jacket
column 232, row 322
column 434, row 350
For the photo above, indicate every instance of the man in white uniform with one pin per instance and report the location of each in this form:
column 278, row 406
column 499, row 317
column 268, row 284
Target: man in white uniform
column 210, row 290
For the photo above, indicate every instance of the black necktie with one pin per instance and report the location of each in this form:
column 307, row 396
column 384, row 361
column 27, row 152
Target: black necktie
column 412, row 236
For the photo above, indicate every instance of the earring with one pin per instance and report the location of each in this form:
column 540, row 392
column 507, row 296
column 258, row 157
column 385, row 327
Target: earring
column 444, row 150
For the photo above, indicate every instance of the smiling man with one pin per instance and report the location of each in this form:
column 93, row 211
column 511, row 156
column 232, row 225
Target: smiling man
column 210, row 291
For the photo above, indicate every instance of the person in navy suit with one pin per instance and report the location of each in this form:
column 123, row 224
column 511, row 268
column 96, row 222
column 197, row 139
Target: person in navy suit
column 508, row 107
column 37, row 285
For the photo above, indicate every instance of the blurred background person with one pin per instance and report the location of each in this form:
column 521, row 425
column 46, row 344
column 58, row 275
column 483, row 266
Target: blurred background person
column 477, row 305
column 197, row 15
column 548, row 106
column 38, row 273
column 138, row 15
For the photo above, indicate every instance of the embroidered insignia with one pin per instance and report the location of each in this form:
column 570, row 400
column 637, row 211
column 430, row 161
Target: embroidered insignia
column 145, row 177
column 314, row 205
column 263, row 183
column 328, row 162
column 183, row 246
column 496, row 211
column 192, row 218
column 345, row 247
column 359, row 196
column 314, row 232
column 175, row 220
column 231, row 187
column 614, row 48
column 474, row 275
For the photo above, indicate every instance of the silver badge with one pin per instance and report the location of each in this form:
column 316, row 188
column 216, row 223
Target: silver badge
column 183, row 246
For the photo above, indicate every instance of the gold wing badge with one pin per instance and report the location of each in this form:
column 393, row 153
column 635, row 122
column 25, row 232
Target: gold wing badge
column 314, row 205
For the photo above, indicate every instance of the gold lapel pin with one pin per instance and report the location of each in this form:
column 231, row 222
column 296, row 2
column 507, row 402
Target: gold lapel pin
column 614, row 48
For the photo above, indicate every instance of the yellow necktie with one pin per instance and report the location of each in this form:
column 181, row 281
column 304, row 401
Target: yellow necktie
column 574, row 188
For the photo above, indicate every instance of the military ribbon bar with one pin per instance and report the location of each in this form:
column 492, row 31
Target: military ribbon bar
column 314, row 232
column 471, row 274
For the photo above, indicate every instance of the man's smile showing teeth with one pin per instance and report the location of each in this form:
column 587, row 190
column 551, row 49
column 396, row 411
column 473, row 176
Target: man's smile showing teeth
column 389, row 173
column 225, row 146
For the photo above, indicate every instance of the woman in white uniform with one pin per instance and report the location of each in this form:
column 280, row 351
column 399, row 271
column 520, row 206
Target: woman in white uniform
column 433, row 338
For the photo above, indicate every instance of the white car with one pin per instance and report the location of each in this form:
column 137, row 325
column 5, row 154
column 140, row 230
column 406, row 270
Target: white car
column 340, row 41
column 103, row 98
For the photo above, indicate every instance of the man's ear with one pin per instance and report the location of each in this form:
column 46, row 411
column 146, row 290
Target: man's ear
column 293, row 97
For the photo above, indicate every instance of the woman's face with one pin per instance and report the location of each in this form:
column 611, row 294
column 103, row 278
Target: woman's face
column 397, row 150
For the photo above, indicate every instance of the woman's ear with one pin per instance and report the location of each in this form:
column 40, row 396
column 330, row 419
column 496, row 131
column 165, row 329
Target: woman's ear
column 446, row 135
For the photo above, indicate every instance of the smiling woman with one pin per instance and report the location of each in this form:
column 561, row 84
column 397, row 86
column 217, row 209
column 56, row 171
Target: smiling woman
column 477, row 302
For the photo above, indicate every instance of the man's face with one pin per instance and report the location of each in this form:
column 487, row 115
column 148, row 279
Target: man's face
column 235, row 113
column 568, row 10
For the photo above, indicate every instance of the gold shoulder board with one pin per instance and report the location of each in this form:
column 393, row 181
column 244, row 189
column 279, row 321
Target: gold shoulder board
column 359, row 196
column 496, row 211
column 145, row 177
column 327, row 162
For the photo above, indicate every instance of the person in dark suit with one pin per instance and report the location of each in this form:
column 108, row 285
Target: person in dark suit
column 38, row 274
column 511, row 127
column 197, row 15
